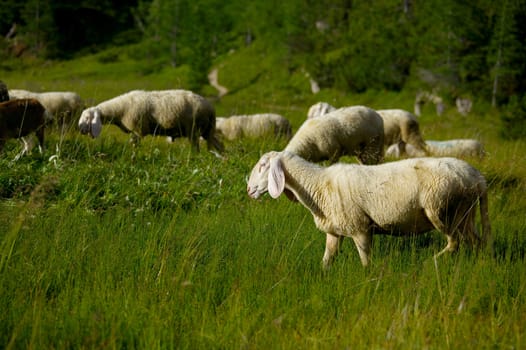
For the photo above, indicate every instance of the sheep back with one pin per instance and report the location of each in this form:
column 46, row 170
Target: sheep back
column 253, row 126
column 461, row 148
column 457, row 148
column 356, row 131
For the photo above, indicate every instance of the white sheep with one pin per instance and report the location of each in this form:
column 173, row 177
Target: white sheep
column 406, row 197
column 461, row 148
column 399, row 125
column 62, row 105
column 464, row 105
column 253, row 126
column 18, row 119
column 423, row 97
column 402, row 127
column 173, row 113
column 356, row 131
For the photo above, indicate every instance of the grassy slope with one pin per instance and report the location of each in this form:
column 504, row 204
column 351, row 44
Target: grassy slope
column 115, row 246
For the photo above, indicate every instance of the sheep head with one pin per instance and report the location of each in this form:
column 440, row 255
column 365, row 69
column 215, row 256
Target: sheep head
column 90, row 122
column 268, row 175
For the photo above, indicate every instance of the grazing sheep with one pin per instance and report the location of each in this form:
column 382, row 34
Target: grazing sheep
column 19, row 118
column 460, row 148
column 4, row 94
column 357, row 131
column 173, row 113
column 399, row 125
column 464, row 105
column 402, row 127
column 406, row 197
column 62, row 105
column 424, row 97
column 253, row 126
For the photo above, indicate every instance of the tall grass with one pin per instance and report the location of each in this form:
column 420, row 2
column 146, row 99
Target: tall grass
column 115, row 246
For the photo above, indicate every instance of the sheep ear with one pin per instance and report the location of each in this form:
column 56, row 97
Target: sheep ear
column 276, row 178
column 96, row 124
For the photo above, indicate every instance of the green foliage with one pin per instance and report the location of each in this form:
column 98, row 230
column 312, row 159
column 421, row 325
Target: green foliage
column 514, row 118
column 453, row 48
column 508, row 52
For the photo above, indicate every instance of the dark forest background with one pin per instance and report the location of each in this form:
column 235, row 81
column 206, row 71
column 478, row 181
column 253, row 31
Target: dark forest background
column 475, row 48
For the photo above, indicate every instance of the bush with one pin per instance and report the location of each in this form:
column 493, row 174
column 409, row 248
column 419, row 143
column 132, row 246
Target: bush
column 514, row 118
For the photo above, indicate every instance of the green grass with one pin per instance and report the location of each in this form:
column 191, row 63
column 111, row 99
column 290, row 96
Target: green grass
column 115, row 246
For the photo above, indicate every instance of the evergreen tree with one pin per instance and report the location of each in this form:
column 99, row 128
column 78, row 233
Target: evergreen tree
column 508, row 52
column 38, row 30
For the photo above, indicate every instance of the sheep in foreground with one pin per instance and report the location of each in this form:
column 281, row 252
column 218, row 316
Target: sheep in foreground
column 173, row 113
column 18, row 119
column 461, row 148
column 407, row 197
column 62, row 105
column 253, row 126
column 356, row 131
column 399, row 126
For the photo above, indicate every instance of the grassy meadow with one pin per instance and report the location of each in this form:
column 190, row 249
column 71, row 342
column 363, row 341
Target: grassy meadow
column 115, row 246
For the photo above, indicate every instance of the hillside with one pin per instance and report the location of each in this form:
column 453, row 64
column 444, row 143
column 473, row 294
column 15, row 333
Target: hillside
column 106, row 244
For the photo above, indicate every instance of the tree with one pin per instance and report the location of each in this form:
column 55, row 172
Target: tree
column 38, row 30
column 508, row 52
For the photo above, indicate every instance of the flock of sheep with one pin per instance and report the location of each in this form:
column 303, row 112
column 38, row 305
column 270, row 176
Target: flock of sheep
column 436, row 190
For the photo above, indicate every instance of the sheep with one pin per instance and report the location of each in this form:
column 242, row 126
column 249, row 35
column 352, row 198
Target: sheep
column 406, row 197
column 356, row 130
column 4, row 94
column 173, row 113
column 254, row 126
column 460, row 148
column 423, row 97
column 19, row 118
column 402, row 127
column 464, row 105
column 62, row 105
column 399, row 125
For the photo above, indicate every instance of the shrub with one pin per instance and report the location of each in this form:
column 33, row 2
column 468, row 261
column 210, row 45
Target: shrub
column 514, row 118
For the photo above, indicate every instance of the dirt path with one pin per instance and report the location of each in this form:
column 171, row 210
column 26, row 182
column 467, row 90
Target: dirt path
column 212, row 78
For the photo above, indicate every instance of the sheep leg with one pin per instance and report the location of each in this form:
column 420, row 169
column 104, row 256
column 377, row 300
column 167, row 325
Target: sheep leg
column 40, row 137
column 363, row 242
column 332, row 246
column 452, row 241
column 27, row 146
column 401, row 148
column 469, row 230
column 194, row 140
column 371, row 154
column 452, row 246
column 134, row 139
column 212, row 141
